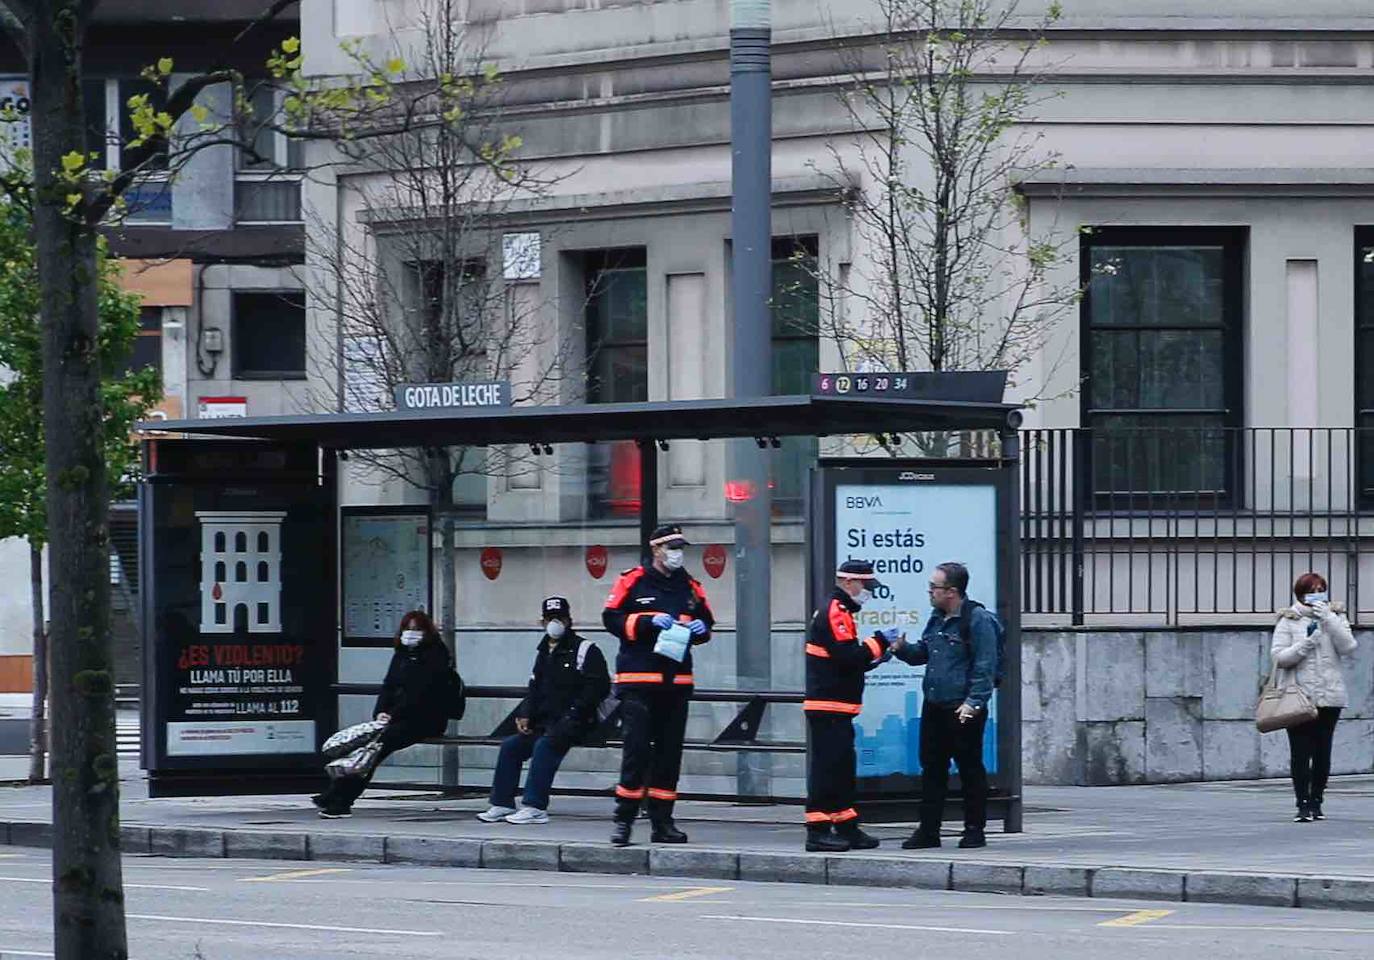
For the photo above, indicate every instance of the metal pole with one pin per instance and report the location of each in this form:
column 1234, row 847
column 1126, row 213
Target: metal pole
column 751, row 144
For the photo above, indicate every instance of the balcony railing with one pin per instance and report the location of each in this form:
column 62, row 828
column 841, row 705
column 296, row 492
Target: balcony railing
column 1193, row 526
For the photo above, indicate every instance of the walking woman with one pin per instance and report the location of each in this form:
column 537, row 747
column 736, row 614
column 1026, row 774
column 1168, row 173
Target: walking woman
column 413, row 702
column 1311, row 638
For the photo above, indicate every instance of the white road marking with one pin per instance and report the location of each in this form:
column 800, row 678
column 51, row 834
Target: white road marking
column 23, row 953
column 212, row 921
column 47, row 881
column 872, row 926
column 1247, row 928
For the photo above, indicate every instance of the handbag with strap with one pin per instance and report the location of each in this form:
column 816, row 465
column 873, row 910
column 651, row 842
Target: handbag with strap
column 351, row 738
column 1281, row 707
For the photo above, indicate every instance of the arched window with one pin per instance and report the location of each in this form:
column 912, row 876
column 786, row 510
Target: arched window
column 219, row 542
column 241, row 572
column 240, row 542
column 262, row 571
column 219, row 571
column 240, row 618
column 264, row 542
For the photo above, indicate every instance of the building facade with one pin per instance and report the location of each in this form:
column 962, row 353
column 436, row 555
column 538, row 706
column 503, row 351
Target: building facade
column 215, row 254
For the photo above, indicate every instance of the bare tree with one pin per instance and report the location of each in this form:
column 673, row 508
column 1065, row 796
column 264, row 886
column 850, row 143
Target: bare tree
column 430, row 291
column 950, row 275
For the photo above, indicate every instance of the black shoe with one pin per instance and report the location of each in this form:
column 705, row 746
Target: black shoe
column 972, row 839
column 825, row 842
column 1304, row 814
column 857, row 839
column 921, row 841
column 1316, row 811
column 319, row 801
column 620, row 833
column 332, row 812
column 665, row 831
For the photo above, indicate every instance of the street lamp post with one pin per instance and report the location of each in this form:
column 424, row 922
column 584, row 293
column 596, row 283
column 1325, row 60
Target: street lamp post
column 751, row 142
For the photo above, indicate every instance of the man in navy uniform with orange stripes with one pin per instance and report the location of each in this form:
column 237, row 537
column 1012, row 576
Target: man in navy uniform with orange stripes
column 658, row 612
column 836, row 661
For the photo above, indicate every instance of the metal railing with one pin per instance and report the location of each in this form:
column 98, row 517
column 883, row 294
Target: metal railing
column 1192, row 525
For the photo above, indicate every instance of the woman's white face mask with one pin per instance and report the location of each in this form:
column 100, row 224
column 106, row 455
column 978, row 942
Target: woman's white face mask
column 863, row 596
column 672, row 559
column 555, row 629
column 412, row 638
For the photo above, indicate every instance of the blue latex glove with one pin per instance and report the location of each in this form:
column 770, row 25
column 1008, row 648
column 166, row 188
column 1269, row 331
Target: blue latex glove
column 697, row 628
column 890, row 635
column 662, row 621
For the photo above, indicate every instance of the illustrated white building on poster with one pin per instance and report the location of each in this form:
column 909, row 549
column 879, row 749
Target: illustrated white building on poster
column 240, row 571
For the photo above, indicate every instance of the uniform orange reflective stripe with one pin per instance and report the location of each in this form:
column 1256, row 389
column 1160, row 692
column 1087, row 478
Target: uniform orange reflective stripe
column 639, row 678
column 629, row 794
column 630, row 623
column 874, row 647
column 622, row 587
column 832, row 706
column 684, row 678
column 845, row 815
column 814, row 817
column 841, row 622
column 816, row 650
column 656, row 794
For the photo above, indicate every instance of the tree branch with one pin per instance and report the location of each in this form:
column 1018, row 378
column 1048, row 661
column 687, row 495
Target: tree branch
column 15, row 16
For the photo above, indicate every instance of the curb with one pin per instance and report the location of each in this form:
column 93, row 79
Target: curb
column 876, row 870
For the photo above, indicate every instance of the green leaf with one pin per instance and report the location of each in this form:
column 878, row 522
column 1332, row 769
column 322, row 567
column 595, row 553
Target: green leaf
column 164, row 66
column 291, row 45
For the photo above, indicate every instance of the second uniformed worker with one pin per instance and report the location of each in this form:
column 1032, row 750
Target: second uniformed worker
column 658, row 612
column 836, row 661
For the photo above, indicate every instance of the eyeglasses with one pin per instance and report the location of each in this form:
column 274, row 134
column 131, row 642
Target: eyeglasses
column 937, row 586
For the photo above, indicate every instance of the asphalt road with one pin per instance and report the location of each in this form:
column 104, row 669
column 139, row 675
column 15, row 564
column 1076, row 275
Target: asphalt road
column 278, row 910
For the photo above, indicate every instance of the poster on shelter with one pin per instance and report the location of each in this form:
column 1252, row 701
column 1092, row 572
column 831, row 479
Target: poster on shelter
column 386, row 571
column 907, row 528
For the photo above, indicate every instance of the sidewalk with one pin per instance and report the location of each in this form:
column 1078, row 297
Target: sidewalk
column 1218, row 842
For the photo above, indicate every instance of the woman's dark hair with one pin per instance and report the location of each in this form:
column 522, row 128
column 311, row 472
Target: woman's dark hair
column 417, row 620
column 1309, row 583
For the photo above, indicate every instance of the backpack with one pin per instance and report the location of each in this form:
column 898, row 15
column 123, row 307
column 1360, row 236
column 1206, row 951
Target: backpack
column 609, row 703
column 455, row 693
column 965, row 632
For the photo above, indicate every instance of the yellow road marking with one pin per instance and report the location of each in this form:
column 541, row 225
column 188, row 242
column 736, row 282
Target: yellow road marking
column 295, row 875
column 1135, row 919
column 687, row 894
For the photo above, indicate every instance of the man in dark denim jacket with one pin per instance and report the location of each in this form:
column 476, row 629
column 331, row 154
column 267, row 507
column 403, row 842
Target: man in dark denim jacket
column 961, row 663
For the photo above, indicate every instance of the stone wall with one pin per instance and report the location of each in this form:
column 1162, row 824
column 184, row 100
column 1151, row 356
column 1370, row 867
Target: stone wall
column 1167, row 706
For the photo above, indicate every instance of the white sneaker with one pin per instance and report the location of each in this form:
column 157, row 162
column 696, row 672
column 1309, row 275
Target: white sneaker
column 528, row 815
column 495, row 814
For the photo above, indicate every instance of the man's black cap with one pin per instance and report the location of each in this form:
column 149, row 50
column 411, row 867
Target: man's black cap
column 859, row 570
column 557, row 607
column 668, row 535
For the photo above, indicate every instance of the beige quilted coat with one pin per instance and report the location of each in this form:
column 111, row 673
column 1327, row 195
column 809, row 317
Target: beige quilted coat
column 1317, row 656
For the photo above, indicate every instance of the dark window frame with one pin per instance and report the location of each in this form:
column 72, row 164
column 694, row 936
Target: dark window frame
column 784, row 249
column 1234, row 243
column 238, row 370
column 1364, row 416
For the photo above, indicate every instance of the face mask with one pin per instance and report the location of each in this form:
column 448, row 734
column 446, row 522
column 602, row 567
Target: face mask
column 1312, row 598
column 412, row 638
column 555, row 629
column 672, row 559
column 863, row 596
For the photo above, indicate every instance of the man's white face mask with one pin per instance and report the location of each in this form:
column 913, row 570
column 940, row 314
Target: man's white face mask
column 555, row 629
column 412, row 638
column 672, row 559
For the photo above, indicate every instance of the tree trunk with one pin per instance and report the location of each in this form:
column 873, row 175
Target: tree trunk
column 88, row 893
column 38, row 734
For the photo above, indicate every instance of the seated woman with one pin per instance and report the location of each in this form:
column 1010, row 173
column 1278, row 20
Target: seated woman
column 567, row 685
column 413, row 701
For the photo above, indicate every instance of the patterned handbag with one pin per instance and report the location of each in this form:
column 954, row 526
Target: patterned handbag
column 351, row 738
column 1281, row 707
column 359, row 763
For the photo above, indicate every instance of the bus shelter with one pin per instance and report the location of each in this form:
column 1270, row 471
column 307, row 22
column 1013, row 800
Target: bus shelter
column 249, row 633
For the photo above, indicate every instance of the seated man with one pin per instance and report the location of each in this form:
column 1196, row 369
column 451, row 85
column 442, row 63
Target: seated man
column 567, row 685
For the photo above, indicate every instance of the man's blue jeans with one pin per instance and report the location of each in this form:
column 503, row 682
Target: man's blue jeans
column 515, row 751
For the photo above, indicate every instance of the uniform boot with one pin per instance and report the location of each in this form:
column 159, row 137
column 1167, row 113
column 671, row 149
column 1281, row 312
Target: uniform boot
column 665, row 831
column 620, row 833
column 821, row 839
column 855, row 837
